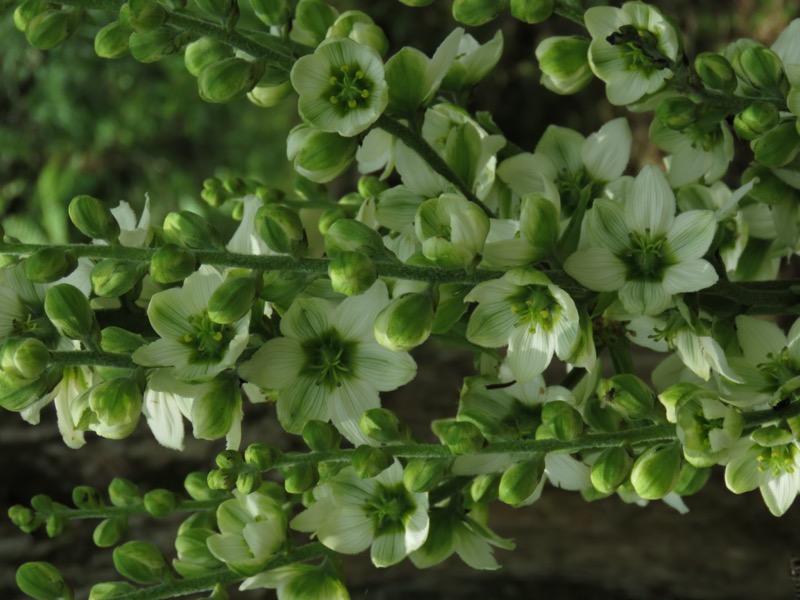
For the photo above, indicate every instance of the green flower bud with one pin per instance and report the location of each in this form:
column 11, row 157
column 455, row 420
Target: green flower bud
column 42, row 581
column 55, row 524
column 123, row 493
column 351, row 235
column 189, row 229
column 112, row 278
column 461, row 437
column 360, row 28
column 281, row 229
column 25, row 357
column 141, row 562
column 611, row 469
column 423, row 474
column 329, row 216
column 110, row 531
column 146, row 15
column 172, row 263
column 628, row 395
column 778, row 146
column 232, row 300
column 112, row 40
column 272, row 12
column 485, row 488
column 761, row 69
column 159, row 503
column 520, row 480
column 562, row 420
column 300, row 477
column 312, row 18
column 68, row 309
column 318, row 155
column 677, row 112
column 93, row 218
column 600, row 416
column 204, row 52
column 756, row 119
column 17, row 392
column 369, row 461
column 155, row 45
column 27, row 11
column 405, row 322
column 564, row 63
column 49, row 28
column 691, row 479
column 86, row 497
column 117, row 404
column 715, row 72
column 656, row 471
column 49, row 264
column 532, row 11
column 261, row 456
column 229, row 459
column 370, row 186
column 248, row 481
column 212, row 413
column 222, row 479
column 197, row 486
column 228, row 79
column 352, row 273
column 120, row 341
column 382, row 425
column 42, row 503
column 24, row 518
column 416, row 2
column 110, row 590
column 452, row 230
column 771, row 436
column 477, row 12
column 267, row 96
column 194, row 557
column 539, row 223
column 321, row 436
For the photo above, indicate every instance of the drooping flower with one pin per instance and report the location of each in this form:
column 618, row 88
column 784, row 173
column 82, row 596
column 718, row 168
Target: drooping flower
column 640, row 249
column 341, row 86
column 328, row 365
column 301, row 582
column 352, row 514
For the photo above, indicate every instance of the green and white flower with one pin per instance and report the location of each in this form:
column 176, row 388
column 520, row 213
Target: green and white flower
column 197, row 347
column 640, row 249
column 328, row 366
column 352, row 514
column 526, row 311
column 301, row 582
column 633, row 66
column 695, row 152
column 341, row 86
column 452, row 230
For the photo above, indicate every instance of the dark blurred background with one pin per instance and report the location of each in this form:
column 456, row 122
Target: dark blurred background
column 73, row 123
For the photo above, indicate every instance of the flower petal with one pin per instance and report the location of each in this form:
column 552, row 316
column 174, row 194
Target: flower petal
column 161, row 353
column 301, row 402
column 355, row 316
column 644, row 297
column 651, row 205
column 388, row 549
column 276, row 365
column 597, row 268
column 691, row 234
column 689, row 276
column 529, row 354
column 606, row 152
column 347, row 530
column 307, row 319
column 383, row 369
column 347, row 404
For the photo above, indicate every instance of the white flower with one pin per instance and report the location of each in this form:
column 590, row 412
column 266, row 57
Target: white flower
column 695, row 153
column 352, row 514
column 773, row 470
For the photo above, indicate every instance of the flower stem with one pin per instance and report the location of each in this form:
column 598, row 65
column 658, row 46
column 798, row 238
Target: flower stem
column 91, row 359
column 107, row 512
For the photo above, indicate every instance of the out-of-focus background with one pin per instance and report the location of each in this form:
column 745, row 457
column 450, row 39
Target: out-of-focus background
column 72, row 123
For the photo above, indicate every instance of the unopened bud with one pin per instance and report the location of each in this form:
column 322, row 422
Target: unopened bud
column 532, row 11
column 109, row 532
column 628, row 395
column 656, row 471
column 485, row 488
column 68, row 309
column 360, row 28
column 611, row 469
column 228, row 79
column 370, row 186
column 159, row 503
column 461, row 437
column 49, row 28
column 539, row 223
column 172, row 263
column 140, row 562
column 321, row 436
column 756, row 119
column 213, row 412
column 146, row 15
column 110, row 589
column 352, row 273
column 562, row 420
column 382, row 425
column 86, row 497
column 204, row 52
column 42, row 581
column 120, row 341
column 93, row 218
column 123, row 493
column 267, row 96
column 761, row 68
column 424, row 474
column 520, row 480
column 318, row 155
column 778, row 146
column 261, row 456
column 27, row 357
column 677, row 112
column 271, row 12
column 351, row 235
column 117, row 403
column 155, row 45
column 49, row 264
column 300, row 477
column 27, row 10
column 691, row 479
column 189, row 229
column 564, row 63
column 369, row 461
column 112, row 40
column 477, row 12
column 111, row 278
column 405, row 322
column 715, row 72
column 771, row 436
column 281, row 229
column 222, row 479
column 232, row 300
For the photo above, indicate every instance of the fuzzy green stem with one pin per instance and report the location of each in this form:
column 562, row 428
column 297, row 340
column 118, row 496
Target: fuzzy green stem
column 107, row 512
column 91, row 359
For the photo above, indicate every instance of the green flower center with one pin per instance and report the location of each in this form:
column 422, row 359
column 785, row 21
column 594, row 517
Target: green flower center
column 647, row 258
column 349, row 87
column 389, row 507
column 208, row 340
column 778, row 459
column 640, row 48
column 535, row 307
column 778, row 370
column 329, row 359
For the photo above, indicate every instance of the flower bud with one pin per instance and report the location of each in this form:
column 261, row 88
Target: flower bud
column 140, row 562
column 352, row 273
column 485, row 488
column 539, row 223
column 777, row 147
column 520, row 480
column 197, row 486
column 715, row 72
column 532, row 11
column 111, row 278
column 281, row 229
column 756, row 119
column 155, row 45
column 656, row 471
column 117, row 403
column 24, row 357
column 477, row 12
column 761, row 69
column 110, row 589
column 212, row 413
column 382, row 425
column 203, row 52
column 229, row 459
column 172, row 263
column 461, row 437
column 27, row 10
column 370, row 186
column 261, row 456
column 110, row 531
column 771, row 436
column 159, row 503
column 120, row 341
column 318, row 155
column 248, row 481
column 86, row 497
column 423, row 474
column 24, row 518
column 42, row 581
column 452, row 230
column 189, row 229
column 562, row 420
column 123, row 493
column 68, row 309
column 266, row 96
column 146, row 15
column 222, row 479
column 677, row 112
column 229, row 78
column 351, row 235
column 405, row 322
column 49, row 28
column 611, row 469
column 93, row 218
column 691, row 479
column 369, row 461
column 55, row 524
column 628, row 395
column 360, row 28
column 49, row 264
column 564, row 63
column 271, row 12
column 416, row 2
column 232, row 300
column 194, row 557
column 300, row 477
column 311, row 21
column 112, row 40
column 321, row 436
